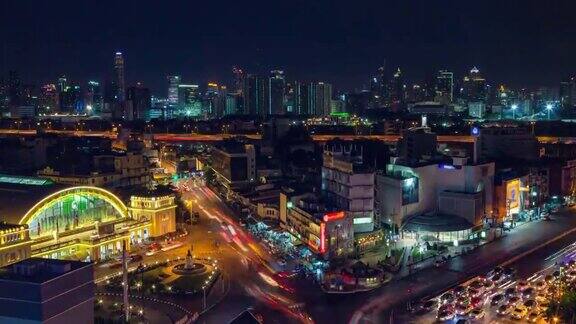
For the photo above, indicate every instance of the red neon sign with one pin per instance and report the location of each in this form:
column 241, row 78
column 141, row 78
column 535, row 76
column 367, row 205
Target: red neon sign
column 323, row 237
column 333, row 216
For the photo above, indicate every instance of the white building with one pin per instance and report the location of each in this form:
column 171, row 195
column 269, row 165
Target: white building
column 435, row 197
column 349, row 186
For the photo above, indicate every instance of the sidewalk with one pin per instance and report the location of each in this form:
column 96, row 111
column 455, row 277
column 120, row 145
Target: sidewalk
column 522, row 239
column 370, row 306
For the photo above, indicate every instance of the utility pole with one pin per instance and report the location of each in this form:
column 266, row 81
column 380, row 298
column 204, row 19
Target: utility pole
column 125, row 281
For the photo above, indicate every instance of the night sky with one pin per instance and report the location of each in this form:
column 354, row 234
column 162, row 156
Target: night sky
column 521, row 43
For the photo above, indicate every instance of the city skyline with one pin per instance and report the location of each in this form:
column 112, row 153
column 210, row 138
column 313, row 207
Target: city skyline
column 318, row 41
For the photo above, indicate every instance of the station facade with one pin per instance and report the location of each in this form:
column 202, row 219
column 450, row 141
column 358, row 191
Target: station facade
column 79, row 222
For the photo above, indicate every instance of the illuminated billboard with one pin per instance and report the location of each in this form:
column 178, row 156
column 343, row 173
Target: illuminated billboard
column 410, row 189
column 513, row 194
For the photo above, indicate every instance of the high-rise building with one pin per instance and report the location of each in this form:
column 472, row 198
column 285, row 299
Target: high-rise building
column 119, row 78
column 567, row 93
column 255, row 95
column 94, row 100
column 323, row 98
column 138, row 102
column 396, row 93
column 378, row 88
column 238, row 79
column 4, row 99
column 173, row 83
column 48, row 100
column 71, row 100
column 301, row 98
column 444, row 87
column 348, row 184
column 276, row 89
column 189, row 101
column 231, row 104
column 62, row 83
column 474, row 86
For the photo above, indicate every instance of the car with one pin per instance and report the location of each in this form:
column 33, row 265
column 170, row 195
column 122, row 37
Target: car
column 281, row 262
column 463, row 309
column 464, row 300
column 549, row 278
column 533, row 317
column 528, row 293
column 135, row 258
column 495, row 271
column 460, row 290
column 476, row 313
column 476, row 284
column 513, row 300
column 447, row 298
column 496, row 299
column 522, row 284
column 510, row 292
column 474, row 292
column 571, row 275
column 445, row 315
column 543, row 306
column 477, row 301
column 540, row 284
column 541, row 297
column 497, row 278
column 509, row 272
column 488, row 284
column 530, row 304
column 503, row 310
column 556, row 274
column 519, row 312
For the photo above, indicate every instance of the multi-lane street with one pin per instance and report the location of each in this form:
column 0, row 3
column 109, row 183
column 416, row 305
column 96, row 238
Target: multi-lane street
column 248, row 265
column 247, row 257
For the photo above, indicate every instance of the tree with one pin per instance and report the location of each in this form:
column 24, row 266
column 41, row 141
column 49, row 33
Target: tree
column 563, row 309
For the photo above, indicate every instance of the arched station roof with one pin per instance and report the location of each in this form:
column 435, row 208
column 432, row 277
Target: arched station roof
column 22, row 198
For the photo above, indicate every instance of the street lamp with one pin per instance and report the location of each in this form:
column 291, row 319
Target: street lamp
column 514, row 107
column 549, row 109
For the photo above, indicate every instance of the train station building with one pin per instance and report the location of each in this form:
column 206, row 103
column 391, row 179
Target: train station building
column 76, row 222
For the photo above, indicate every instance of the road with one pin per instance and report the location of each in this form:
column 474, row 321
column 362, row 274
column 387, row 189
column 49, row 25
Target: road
column 512, row 248
column 248, row 265
column 531, row 270
column 249, row 268
column 375, row 306
column 176, row 137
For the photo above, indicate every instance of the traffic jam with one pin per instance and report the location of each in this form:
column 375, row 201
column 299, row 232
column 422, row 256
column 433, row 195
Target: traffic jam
column 499, row 297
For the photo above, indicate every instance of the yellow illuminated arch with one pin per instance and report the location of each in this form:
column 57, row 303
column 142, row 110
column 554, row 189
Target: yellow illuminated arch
column 103, row 194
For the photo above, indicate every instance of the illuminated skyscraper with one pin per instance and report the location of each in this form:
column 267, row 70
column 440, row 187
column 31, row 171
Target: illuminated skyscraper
column 138, row 103
column 475, row 86
column 568, row 93
column 444, row 87
column 173, row 83
column 276, row 88
column 238, row 79
column 119, row 81
column 322, row 98
column 189, row 101
column 255, row 95
column 94, row 100
column 48, row 100
column 397, row 96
